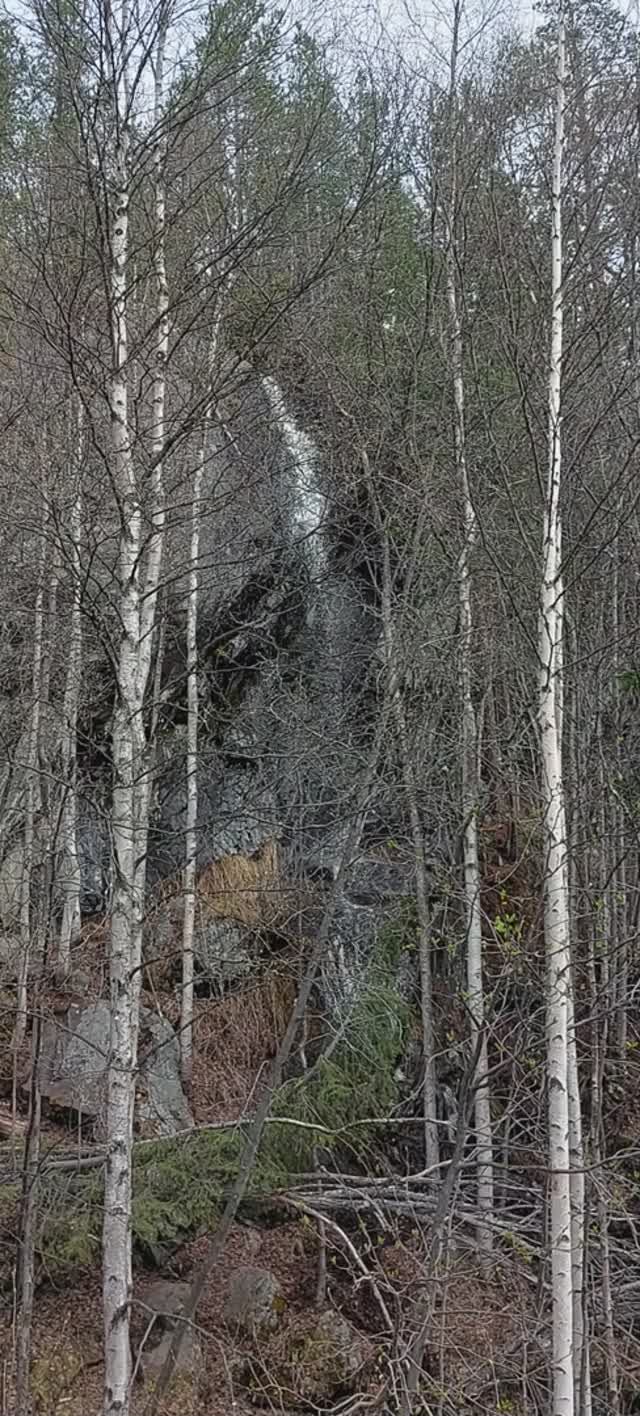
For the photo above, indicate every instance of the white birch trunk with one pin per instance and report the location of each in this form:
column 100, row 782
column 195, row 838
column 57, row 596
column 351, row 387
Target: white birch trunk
column 470, row 753
column 556, row 908
column 191, row 840
column 121, row 1070
column 32, row 794
column 581, row 1358
column 132, row 765
column 155, row 549
column 70, row 925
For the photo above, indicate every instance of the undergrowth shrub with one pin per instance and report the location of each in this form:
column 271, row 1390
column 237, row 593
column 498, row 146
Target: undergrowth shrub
column 180, row 1185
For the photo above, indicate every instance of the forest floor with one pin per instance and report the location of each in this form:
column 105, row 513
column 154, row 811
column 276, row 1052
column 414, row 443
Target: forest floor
column 480, row 1331
column 487, row 1344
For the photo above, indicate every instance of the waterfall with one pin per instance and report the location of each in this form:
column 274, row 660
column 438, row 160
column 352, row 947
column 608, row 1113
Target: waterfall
column 321, row 725
column 306, row 504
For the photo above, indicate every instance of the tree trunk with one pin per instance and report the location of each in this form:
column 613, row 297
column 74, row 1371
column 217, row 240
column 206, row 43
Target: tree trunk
column 431, row 1142
column 71, row 884
column 470, row 751
column 132, row 762
column 122, row 1057
column 29, row 1219
column 191, row 841
column 32, row 794
column 556, row 911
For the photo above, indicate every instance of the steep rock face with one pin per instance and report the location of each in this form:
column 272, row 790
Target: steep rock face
column 286, row 634
column 289, row 635
column 237, row 811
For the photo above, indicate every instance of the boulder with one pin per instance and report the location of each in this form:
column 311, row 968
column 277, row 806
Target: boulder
column 255, row 1302
column 323, row 1359
column 75, row 1051
column 188, row 1364
column 161, row 1105
column 164, row 1302
column 225, row 951
column 74, row 1060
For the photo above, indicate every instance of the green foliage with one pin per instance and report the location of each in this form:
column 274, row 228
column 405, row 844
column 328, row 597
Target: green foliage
column 356, row 1085
column 179, row 1189
column 629, row 681
column 70, row 1223
column 508, row 928
column 180, row 1186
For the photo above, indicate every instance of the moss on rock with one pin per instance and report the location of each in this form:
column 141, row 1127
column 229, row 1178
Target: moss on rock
column 180, row 1185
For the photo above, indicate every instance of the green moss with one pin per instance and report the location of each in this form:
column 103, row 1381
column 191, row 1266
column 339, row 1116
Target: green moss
column 179, row 1189
column 356, row 1084
column 180, row 1186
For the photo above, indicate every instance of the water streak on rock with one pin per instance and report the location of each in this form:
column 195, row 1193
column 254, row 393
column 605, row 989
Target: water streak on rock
column 306, row 504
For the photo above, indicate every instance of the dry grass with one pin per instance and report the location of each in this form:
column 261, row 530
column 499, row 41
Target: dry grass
column 244, row 888
column 247, row 889
column 234, row 1039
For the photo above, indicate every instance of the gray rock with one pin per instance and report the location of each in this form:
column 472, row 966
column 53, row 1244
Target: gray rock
column 189, row 1360
column 162, row 1108
column 165, row 1299
column 236, row 814
column 343, row 972
column 162, row 942
column 376, row 882
column 255, row 1301
column 94, row 854
column 330, row 1355
column 75, row 1052
column 225, row 951
column 74, row 1062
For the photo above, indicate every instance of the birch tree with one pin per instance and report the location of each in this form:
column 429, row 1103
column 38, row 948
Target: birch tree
column 470, row 745
column 32, row 790
column 132, row 766
column 556, row 902
column 125, row 742
column 70, row 881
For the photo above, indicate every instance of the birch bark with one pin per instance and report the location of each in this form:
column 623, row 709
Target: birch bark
column 470, row 755
column 70, row 926
column 132, row 762
column 556, row 911
column 121, row 1068
column 32, row 788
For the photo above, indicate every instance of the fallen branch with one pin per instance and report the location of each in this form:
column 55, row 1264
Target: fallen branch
column 359, row 1262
